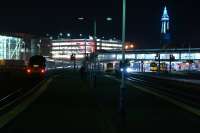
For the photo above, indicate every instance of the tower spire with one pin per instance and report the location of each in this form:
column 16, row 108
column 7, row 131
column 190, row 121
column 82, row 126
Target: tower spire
column 165, row 21
column 165, row 27
column 165, row 15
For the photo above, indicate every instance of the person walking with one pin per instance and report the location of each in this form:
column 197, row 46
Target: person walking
column 83, row 73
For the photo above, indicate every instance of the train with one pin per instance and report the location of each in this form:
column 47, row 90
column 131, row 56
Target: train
column 154, row 67
column 36, row 66
column 109, row 67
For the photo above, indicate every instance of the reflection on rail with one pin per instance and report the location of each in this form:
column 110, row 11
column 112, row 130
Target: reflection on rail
column 174, row 90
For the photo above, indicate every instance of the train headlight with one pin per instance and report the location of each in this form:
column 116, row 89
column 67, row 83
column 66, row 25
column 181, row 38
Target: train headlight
column 129, row 70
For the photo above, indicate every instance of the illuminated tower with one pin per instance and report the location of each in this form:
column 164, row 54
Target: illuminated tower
column 165, row 29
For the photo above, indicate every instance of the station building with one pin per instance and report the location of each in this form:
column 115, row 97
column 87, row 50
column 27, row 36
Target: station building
column 184, row 58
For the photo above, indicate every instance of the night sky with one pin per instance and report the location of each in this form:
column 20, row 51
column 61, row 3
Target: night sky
column 143, row 19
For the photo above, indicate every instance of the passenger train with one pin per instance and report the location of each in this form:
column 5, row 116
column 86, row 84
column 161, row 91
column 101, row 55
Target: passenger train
column 36, row 66
column 154, row 67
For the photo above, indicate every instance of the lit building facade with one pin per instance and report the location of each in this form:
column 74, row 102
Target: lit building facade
column 10, row 48
column 64, row 48
column 139, row 57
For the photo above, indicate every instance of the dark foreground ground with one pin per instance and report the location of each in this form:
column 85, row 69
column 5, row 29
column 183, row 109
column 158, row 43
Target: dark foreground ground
column 70, row 105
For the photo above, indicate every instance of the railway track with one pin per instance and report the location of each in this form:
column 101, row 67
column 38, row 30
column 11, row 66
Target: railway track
column 179, row 93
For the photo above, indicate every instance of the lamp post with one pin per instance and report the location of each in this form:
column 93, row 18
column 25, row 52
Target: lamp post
column 95, row 54
column 93, row 68
column 122, row 87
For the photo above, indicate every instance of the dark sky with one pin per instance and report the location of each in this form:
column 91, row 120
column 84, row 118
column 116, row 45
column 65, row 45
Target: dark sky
column 143, row 19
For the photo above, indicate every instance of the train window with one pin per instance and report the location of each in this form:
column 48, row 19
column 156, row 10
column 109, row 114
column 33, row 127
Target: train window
column 110, row 65
column 37, row 60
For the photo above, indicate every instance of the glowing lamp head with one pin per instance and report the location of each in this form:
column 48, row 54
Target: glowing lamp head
column 132, row 46
column 126, row 47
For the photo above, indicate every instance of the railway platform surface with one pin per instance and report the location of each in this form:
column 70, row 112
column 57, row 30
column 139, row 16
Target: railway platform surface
column 70, row 105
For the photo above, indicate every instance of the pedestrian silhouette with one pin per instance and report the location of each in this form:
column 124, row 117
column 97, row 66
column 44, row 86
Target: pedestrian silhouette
column 83, row 73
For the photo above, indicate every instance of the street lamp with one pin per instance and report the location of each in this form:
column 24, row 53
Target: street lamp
column 109, row 19
column 129, row 46
column 61, row 34
column 68, row 35
column 95, row 51
column 95, row 47
column 94, row 24
column 132, row 46
column 126, row 47
column 122, row 87
column 51, row 38
column 81, row 18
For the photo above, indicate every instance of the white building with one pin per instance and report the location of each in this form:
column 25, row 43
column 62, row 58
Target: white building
column 62, row 49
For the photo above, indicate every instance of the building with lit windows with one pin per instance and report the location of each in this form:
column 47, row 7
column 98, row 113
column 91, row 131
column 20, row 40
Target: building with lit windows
column 64, row 48
column 184, row 59
column 21, row 46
